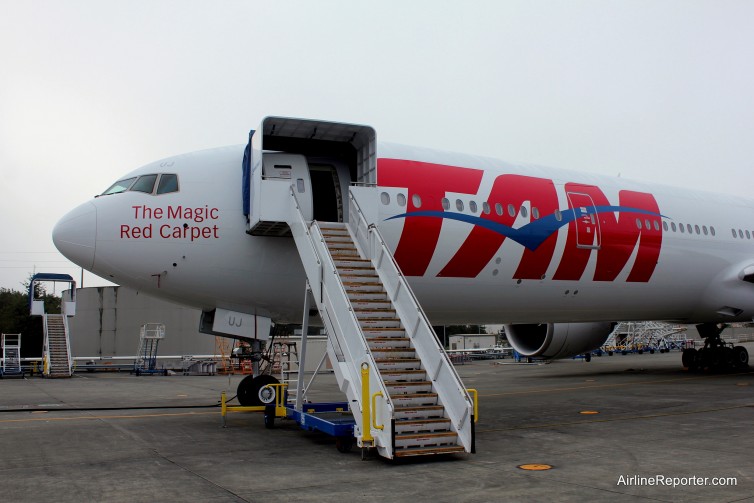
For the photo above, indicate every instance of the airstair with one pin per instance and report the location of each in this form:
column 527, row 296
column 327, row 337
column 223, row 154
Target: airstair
column 404, row 394
column 57, row 348
column 57, row 342
column 11, row 355
column 150, row 336
column 380, row 337
column 285, row 363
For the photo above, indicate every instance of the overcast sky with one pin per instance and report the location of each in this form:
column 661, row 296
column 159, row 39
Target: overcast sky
column 89, row 90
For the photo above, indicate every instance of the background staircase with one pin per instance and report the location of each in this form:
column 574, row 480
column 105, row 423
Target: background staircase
column 57, row 350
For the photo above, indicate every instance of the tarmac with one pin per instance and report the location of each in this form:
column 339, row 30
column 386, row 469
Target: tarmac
column 630, row 428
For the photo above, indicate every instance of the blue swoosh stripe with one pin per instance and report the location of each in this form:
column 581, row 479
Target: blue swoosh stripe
column 533, row 234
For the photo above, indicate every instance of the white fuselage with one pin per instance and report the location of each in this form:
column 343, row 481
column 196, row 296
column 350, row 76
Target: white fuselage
column 191, row 245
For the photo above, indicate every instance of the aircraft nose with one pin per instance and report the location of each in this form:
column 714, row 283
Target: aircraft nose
column 74, row 235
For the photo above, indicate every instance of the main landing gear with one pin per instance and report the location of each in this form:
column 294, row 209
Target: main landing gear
column 716, row 355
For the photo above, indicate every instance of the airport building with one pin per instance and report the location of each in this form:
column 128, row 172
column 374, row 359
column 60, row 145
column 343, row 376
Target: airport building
column 471, row 341
column 108, row 321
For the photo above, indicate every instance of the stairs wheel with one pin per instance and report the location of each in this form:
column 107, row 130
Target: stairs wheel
column 344, row 444
column 269, row 417
column 741, row 357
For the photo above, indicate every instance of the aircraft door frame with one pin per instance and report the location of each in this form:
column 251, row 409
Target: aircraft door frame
column 588, row 233
column 302, row 185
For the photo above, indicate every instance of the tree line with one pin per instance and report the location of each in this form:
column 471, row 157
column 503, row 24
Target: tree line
column 15, row 317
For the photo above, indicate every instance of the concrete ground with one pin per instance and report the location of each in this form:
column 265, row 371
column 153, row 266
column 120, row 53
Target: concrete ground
column 653, row 419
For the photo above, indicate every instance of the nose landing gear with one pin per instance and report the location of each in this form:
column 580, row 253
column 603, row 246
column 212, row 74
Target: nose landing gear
column 716, row 355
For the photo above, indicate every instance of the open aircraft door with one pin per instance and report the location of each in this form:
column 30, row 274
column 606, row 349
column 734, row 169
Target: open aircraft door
column 284, row 152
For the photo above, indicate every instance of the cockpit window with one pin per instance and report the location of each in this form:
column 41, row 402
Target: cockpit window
column 144, row 184
column 168, row 183
column 119, row 186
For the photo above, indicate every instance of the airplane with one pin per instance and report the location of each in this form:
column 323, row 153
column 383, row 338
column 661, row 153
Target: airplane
column 557, row 256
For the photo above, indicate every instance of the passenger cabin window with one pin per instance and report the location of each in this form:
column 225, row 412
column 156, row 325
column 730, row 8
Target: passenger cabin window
column 168, row 183
column 144, row 184
column 119, row 186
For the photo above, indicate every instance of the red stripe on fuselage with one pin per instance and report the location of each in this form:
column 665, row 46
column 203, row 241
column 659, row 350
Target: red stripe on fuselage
column 619, row 233
column 482, row 244
column 430, row 181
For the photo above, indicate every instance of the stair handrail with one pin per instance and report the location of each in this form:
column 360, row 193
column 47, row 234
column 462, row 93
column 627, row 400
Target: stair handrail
column 67, row 344
column 338, row 294
column 445, row 374
column 46, row 346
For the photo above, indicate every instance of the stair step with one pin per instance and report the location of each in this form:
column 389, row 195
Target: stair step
column 364, row 286
column 415, row 399
column 404, row 375
column 388, row 342
column 352, row 262
column 338, row 236
column 375, row 312
column 356, row 272
column 382, row 353
column 361, row 295
column 371, row 304
column 422, row 425
column 340, row 245
column 428, row 451
column 331, row 225
column 380, row 322
column 397, row 363
column 384, row 332
column 440, row 439
column 340, row 253
column 408, row 387
column 335, row 233
column 419, row 412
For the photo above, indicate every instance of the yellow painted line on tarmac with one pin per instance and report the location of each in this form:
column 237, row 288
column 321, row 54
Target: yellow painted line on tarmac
column 614, row 419
column 136, row 416
column 614, row 385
